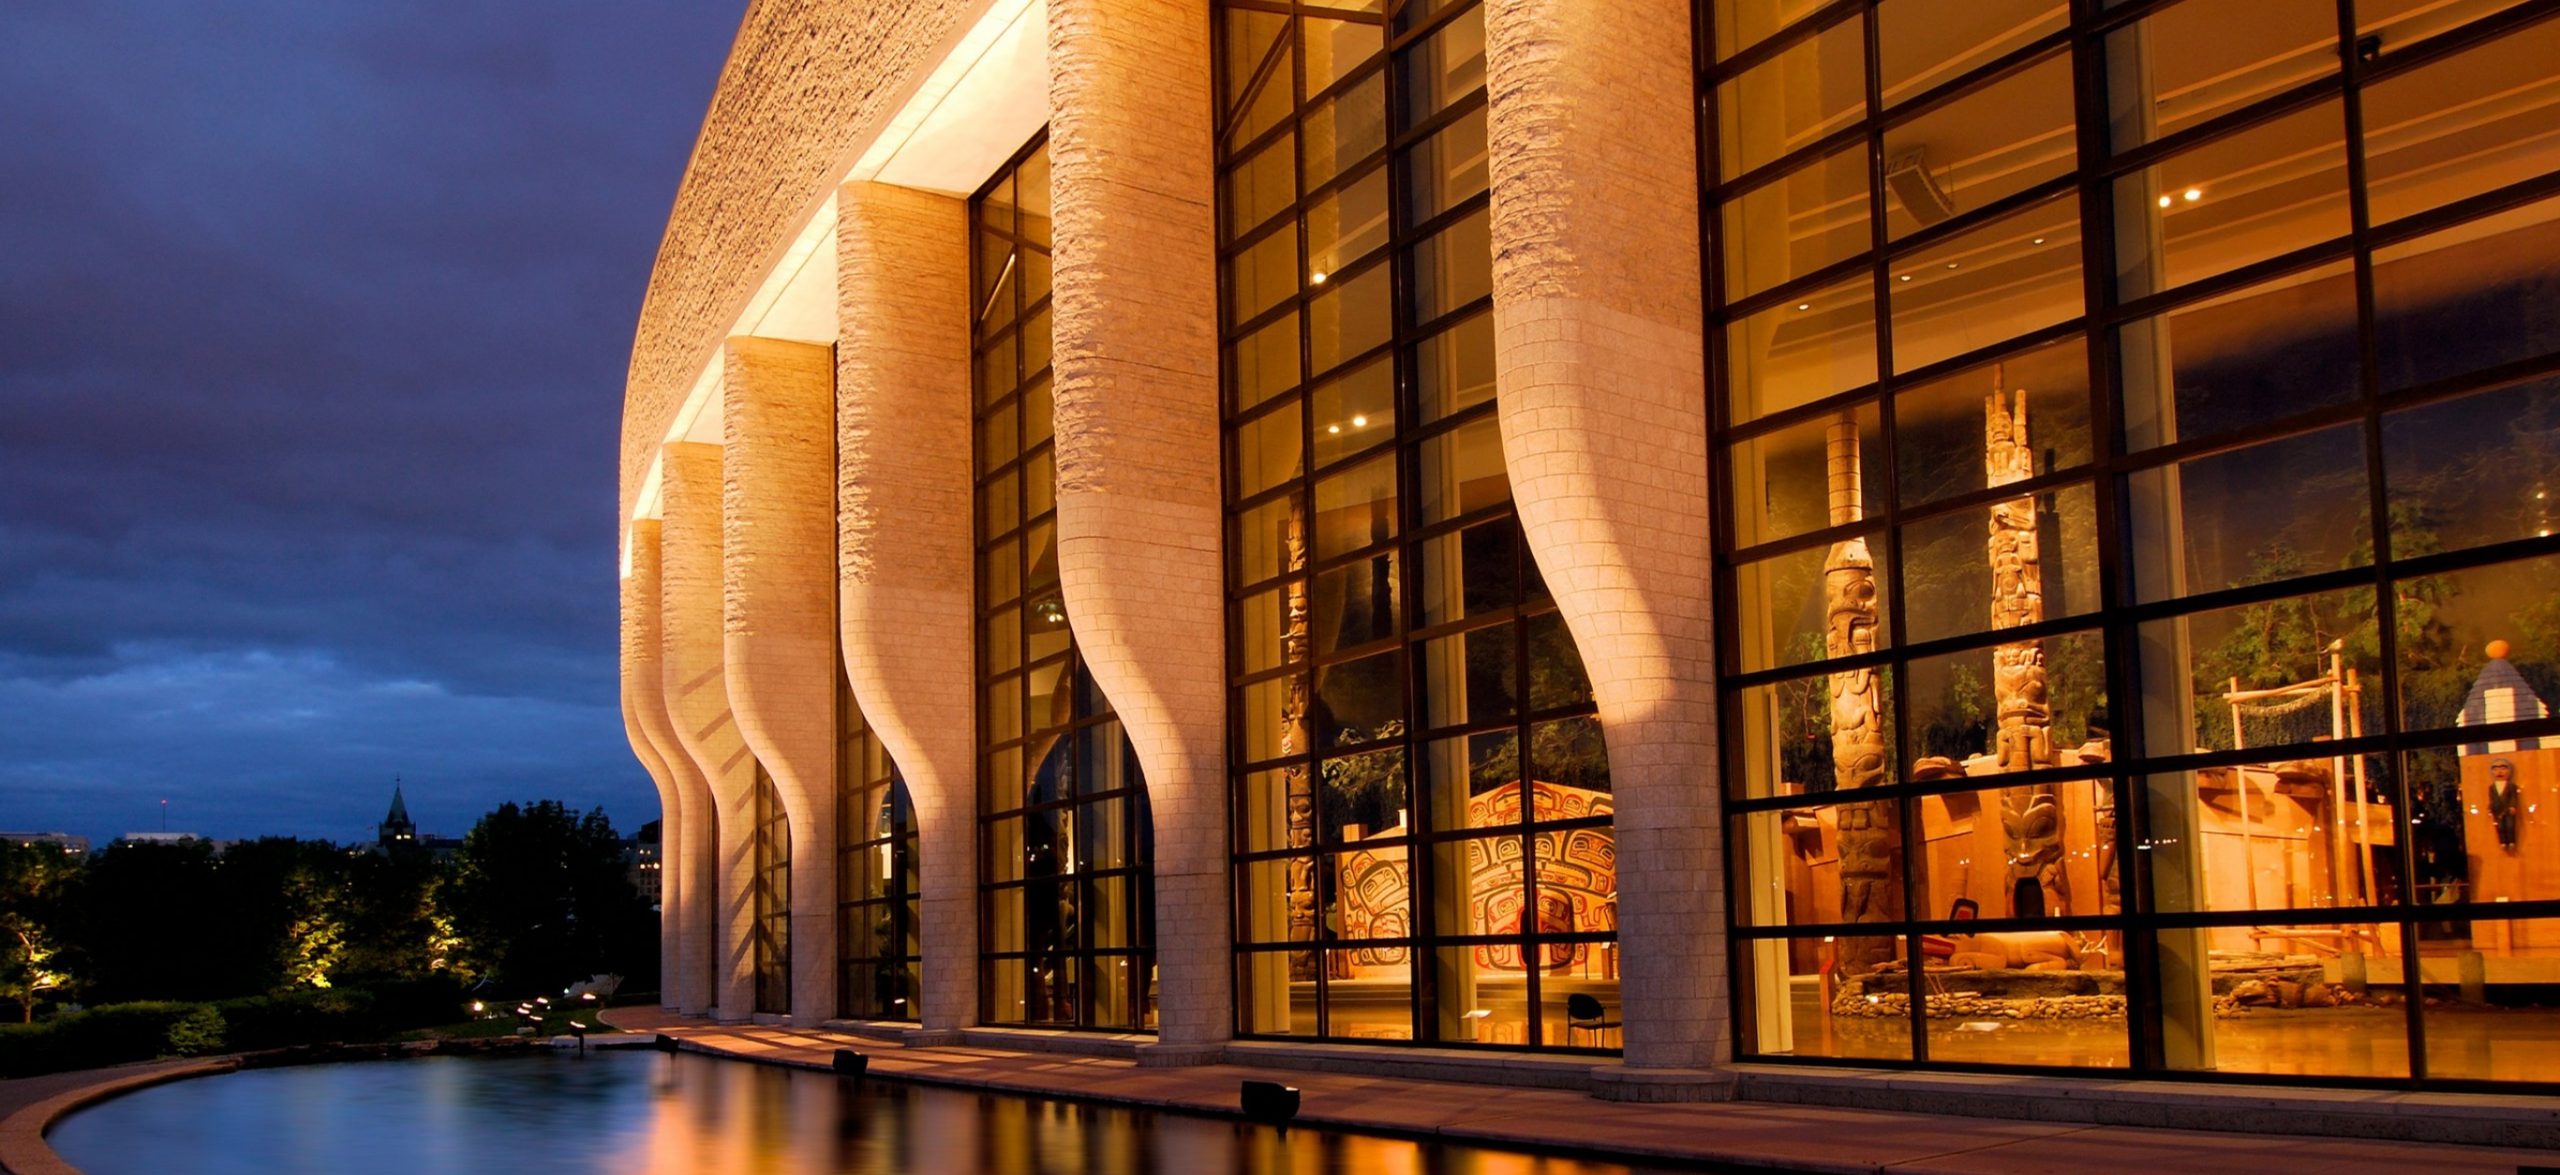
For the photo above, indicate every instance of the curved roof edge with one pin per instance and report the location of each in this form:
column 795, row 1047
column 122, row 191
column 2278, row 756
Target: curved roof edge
column 806, row 85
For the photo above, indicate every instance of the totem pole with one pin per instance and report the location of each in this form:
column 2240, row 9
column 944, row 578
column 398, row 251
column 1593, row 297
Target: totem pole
column 1870, row 832
column 1296, row 777
column 2030, row 816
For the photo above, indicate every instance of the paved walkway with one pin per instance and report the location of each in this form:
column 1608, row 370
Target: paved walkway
column 1757, row 1134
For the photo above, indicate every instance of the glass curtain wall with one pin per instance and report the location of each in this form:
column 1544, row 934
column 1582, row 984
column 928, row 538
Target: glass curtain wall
column 2135, row 426
column 877, row 961
column 772, row 898
column 1423, row 847
column 1067, row 925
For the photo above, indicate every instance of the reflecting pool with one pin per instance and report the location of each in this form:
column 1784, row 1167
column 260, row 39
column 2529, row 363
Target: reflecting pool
column 638, row 1111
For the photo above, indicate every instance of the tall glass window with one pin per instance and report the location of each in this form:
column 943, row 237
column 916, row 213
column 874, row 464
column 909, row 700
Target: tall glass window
column 1423, row 847
column 2139, row 603
column 1067, row 924
column 772, row 898
column 876, row 897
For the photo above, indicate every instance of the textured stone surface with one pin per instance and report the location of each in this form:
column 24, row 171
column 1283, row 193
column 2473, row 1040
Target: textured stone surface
column 687, row 850
column 807, row 84
column 778, row 553
column 697, row 699
column 1137, row 434
column 905, row 542
column 1599, row 362
column 640, row 661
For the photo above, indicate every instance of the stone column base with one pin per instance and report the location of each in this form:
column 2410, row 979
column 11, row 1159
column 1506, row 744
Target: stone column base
column 929, row 1038
column 1618, row 1083
column 1179, row 1056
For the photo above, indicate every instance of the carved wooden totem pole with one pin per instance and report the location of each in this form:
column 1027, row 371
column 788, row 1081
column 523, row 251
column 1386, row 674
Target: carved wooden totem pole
column 1296, row 777
column 1871, row 832
column 2031, row 816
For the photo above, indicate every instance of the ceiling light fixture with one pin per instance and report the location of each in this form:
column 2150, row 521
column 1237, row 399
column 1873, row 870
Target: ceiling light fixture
column 2194, row 194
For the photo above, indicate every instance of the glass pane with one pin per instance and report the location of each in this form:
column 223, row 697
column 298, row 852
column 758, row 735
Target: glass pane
column 2014, row 275
column 2469, row 297
column 2242, row 198
column 1336, row 47
column 1261, row 632
column 2283, row 672
column 1995, row 141
column 1943, row 428
column 2203, row 58
column 1783, row 481
column 1278, row 989
column 1797, row 223
column 1789, row 745
column 2290, row 987
column 2272, row 511
column 1372, row 892
column 1360, row 701
column 2479, row 646
column 2472, row 471
column 2490, row 1011
column 1446, row 67
column 1345, row 129
column 1740, row 24
column 1354, row 411
column 2470, row 123
column 1570, row 755
column 1923, row 45
column 1462, row 471
column 2037, row 562
column 1263, row 274
column 1830, row 997
column 1268, row 539
column 1265, row 362
column 1353, row 604
column 1453, row 370
column 1471, row 678
column 1811, row 89
column 1445, row 169
column 1270, row 718
column 1468, row 573
column 1468, row 774
column 1365, row 796
column 1799, row 351
column 1453, row 267
column 1258, row 188
column 1345, row 225
column 1785, row 603
column 2040, row 851
column 2289, row 834
column 2260, row 354
column 2025, row 706
column 1268, row 449
column 1356, row 507
column 1349, row 317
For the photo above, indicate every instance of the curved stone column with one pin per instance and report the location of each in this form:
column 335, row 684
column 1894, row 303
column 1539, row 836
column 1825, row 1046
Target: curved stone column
column 1602, row 378
column 907, row 547
column 1136, row 357
column 640, row 661
column 686, row 849
column 778, row 552
column 697, row 698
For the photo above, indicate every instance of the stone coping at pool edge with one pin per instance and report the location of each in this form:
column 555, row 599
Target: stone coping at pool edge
column 1787, row 1117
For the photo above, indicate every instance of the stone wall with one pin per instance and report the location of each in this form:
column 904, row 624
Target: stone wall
column 697, row 700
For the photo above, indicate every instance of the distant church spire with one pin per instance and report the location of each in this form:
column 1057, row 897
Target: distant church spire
column 396, row 829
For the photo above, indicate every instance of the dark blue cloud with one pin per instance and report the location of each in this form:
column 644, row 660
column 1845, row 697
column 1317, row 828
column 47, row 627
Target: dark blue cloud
column 313, row 323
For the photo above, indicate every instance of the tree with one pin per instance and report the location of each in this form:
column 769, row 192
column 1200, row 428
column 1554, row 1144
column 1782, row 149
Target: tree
column 33, row 881
column 539, row 897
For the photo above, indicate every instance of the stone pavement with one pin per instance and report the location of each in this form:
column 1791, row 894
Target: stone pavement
column 1753, row 1134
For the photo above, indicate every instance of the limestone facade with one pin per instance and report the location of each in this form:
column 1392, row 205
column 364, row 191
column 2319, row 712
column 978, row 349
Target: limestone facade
column 1599, row 365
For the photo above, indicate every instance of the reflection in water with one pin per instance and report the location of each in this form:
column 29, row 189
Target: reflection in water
column 645, row 1112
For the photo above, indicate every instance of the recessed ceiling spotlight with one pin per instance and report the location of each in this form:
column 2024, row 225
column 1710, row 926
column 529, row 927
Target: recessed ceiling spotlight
column 2194, row 194
column 1906, row 277
column 1804, row 305
column 1359, row 422
column 2164, row 201
column 2037, row 241
column 1951, row 265
column 1333, row 428
column 1317, row 278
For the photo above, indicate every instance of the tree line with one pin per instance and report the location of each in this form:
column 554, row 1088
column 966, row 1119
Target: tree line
column 537, row 896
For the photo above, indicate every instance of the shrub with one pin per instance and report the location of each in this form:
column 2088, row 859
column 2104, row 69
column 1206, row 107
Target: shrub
column 197, row 1033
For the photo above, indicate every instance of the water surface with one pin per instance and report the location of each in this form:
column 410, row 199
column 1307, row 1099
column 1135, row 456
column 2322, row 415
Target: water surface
column 637, row 1111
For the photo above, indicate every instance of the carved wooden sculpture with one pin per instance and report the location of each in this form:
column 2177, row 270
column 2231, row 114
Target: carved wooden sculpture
column 2030, row 816
column 1296, row 777
column 1870, row 833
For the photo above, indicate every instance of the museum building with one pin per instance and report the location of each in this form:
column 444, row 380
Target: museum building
column 1973, row 534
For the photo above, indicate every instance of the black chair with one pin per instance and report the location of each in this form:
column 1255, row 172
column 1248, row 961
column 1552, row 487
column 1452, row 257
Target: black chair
column 1582, row 1012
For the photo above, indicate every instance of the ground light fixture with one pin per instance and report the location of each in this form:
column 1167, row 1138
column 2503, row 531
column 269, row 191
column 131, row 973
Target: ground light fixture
column 852, row 1064
column 1268, row 1101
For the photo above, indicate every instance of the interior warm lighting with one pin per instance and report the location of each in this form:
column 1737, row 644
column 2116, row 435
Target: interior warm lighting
column 2194, row 194
column 1804, row 305
column 2164, row 201
column 1906, row 277
column 1333, row 428
column 1359, row 422
column 1317, row 278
